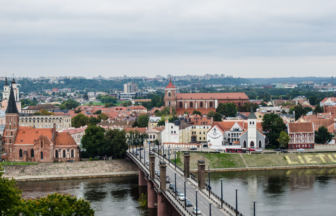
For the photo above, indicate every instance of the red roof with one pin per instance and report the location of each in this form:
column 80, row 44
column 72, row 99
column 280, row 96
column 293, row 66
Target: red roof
column 299, row 127
column 140, row 129
column 181, row 111
column 28, row 135
column 64, row 138
column 170, row 84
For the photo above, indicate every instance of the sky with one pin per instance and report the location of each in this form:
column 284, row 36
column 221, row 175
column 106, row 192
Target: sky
column 242, row 38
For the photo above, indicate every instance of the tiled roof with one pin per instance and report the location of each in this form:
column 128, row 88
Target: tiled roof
column 28, row 135
column 333, row 99
column 140, row 129
column 211, row 96
column 170, row 84
column 299, row 127
column 322, row 122
column 64, row 138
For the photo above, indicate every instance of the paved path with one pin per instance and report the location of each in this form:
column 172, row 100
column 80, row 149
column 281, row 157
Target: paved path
column 243, row 160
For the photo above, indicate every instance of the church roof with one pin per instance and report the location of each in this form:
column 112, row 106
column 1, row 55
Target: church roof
column 252, row 115
column 170, row 84
column 11, row 107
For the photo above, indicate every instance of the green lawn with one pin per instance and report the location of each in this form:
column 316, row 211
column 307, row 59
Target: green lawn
column 17, row 163
column 95, row 103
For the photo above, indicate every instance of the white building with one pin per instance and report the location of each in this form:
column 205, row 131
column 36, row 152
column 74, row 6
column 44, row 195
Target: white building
column 171, row 133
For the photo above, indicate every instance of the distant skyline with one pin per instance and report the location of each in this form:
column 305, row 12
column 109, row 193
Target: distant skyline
column 148, row 38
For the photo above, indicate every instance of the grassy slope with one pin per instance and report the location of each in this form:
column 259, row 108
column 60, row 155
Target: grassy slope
column 17, row 163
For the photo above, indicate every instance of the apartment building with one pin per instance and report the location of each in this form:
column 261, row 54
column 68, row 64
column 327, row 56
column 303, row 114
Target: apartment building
column 45, row 121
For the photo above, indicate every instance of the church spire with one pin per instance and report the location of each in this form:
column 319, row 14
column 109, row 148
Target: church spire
column 11, row 107
column 6, row 83
column 252, row 115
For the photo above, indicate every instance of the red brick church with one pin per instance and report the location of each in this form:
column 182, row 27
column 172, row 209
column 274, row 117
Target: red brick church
column 35, row 144
column 203, row 102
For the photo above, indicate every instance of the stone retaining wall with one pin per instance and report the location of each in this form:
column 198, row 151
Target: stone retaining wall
column 81, row 167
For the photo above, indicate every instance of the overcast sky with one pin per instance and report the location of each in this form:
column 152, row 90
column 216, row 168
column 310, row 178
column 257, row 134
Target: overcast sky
column 243, row 38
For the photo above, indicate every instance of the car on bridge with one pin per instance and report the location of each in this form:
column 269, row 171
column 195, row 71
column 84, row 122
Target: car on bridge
column 196, row 211
column 157, row 173
column 147, row 162
column 188, row 203
column 136, row 153
column 193, row 149
column 177, row 148
column 181, row 196
column 178, row 192
column 172, row 186
column 167, row 179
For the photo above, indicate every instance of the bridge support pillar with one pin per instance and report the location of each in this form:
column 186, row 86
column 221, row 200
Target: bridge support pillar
column 151, row 194
column 142, row 180
column 152, row 165
column 163, row 205
column 186, row 164
column 163, row 184
column 201, row 174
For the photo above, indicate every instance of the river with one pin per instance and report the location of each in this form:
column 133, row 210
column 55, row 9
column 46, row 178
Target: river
column 279, row 192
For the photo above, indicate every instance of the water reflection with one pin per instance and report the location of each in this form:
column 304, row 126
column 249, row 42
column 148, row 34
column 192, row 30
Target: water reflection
column 280, row 192
column 108, row 196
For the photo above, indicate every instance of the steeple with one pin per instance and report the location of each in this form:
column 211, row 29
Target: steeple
column 6, row 83
column 252, row 115
column 11, row 107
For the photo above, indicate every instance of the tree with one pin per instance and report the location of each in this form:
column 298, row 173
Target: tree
column 107, row 99
column 78, row 110
column 126, row 104
column 97, row 112
column 318, row 109
column 247, row 107
column 215, row 115
column 135, row 123
column 299, row 111
column 54, row 205
column 10, row 195
column 93, row 121
column 283, row 139
column 116, row 143
column 263, row 104
column 323, row 136
column 195, row 112
column 283, row 112
column 273, row 125
column 227, row 109
column 102, row 116
column 79, row 120
column 86, row 97
column 94, row 140
column 143, row 120
column 69, row 104
column 172, row 119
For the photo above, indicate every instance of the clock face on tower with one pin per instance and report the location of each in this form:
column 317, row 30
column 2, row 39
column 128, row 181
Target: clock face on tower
column 214, row 133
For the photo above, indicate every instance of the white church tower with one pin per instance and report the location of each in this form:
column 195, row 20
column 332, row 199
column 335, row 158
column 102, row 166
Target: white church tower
column 252, row 130
column 5, row 95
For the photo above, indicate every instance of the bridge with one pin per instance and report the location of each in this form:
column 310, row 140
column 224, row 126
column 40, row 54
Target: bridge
column 196, row 190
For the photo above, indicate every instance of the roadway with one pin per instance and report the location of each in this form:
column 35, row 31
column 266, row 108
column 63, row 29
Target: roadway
column 203, row 202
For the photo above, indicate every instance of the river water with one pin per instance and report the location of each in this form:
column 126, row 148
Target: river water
column 279, row 192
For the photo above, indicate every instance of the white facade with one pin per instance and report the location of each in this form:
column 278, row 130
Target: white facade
column 215, row 137
column 170, row 133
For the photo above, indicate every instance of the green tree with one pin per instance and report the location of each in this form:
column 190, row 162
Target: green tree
column 247, row 107
column 10, row 195
column 69, row 104
column 143, row 120
column 79, row 120
column 283, row 139
column 94, row 140
column 173, row 118
column 102, row 116
column 322, row 135
column 93, row 121
column 135, row 123
column 54, row 205
column 318, row 109
column 215, row 115
column 97, row 112
column 299, row 111
column 86, row 96
column 78, row 110
column 263, row 104
column 126, row 104
column 227, row 109
column 195, row 112
column 273, row 125
column 116, row 143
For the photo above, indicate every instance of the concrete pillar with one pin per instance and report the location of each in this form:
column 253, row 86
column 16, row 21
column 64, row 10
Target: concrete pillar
column 186, row 164
column 151, row 195
column 142, row 180
column 163, row 167
column 201, row 174
column 151, row 165
column 163, row 205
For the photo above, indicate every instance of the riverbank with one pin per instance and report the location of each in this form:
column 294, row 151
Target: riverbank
column 74, row 170
column 226, row 162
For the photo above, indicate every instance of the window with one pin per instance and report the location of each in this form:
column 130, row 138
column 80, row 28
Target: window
column 41, row 155
column 174, row 132
column 259, row 143
column 181, row 104
column 169, row 94
column 200, row 132
column 56, row 154
column 191, row 104
column 201, row 104
column 153, row 136
column 32, row 153
column 203, row 138
column 41, row 144
column 20, row 152
column 72, row 153
column 200, row 138
column 210, row 104
column 63, row 153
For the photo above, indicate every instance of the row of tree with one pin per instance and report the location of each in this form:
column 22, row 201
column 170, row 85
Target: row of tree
column 82, row 120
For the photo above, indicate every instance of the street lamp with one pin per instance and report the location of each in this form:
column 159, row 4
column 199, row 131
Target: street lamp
column 236, row 202
column 144, row 155
column 185, row 195
column 222, row 193
column 209, row 180
column 210, row 209
column 254, row 208
column 169, row 153
column 196, row 203
column 175, row 186
column 175, row 159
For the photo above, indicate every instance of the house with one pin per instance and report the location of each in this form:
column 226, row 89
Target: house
column 237, row 134
column 153, row 121
column 328, row 101
column 301, row 135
